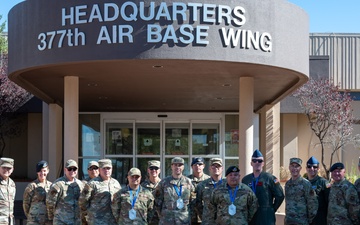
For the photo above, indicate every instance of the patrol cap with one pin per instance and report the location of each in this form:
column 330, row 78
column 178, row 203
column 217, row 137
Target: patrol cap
column 6, row 162
column 92, row 163
column 232, row 169
column 216, row 161
column 40, row 165
column 312, row 161
column 105, row 163
column 154, row 163
column 71, row 163
column 198, row 160
column 296, row 160
column 337, row 165
column 177, row 160
column 257, row 154
column 134, row 171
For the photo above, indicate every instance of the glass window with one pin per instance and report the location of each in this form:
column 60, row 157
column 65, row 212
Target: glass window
column 231, row 162
column 83, row 173
column 177, row 139
column 121, row 167
column 119, row 139
column 231, row 135
column 205, row 139
column 148, row 139
column 89, row 135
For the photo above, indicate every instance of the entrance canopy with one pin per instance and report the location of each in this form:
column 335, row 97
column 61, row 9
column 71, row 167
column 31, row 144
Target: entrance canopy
column 158, row 55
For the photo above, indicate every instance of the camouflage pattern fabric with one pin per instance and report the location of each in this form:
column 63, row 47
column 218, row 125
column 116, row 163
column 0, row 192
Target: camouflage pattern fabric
column 203, row 198
column 7, row 197
column 62, row 201
column 121, row 205
column 301, row 202
column 34, row 202
column 166, row 197
column 195, row 218
column 270, row 195
column 151, row 187
column 245, row 201
column 322, row 188
column 95, row 200
column 344, row 206
column 357, row 185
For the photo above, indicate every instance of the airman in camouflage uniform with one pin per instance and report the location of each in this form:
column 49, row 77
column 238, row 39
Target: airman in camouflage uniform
column 151, row 183
column 357, row 182
column 197, row 165
column 95, row 200
column 93, row 170
column 301, row 200
column 267, row 189
column 321, row 187
column 233, row 203
column 34, row 199
column 133, row 204
column 7, row 191
column 173, row 196
column 62, row 199
column 344, row 206
column 205, row 188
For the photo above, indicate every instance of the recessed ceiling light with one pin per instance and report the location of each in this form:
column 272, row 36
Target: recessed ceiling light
column 219, row 98
column 92, row 85
column 103, row 97
column 158, row 66
column 226, row 85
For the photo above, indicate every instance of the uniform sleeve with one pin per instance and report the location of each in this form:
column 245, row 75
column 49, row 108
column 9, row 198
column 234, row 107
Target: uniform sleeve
column 253, row 205
column 150, row 206
column 312, row 202
column 159, row 197
column 352, row 200
column 85, row 197
column 277, row 192
column 28, row 194
column 199, row 202
column 116, row 205
column 211, row 215
column 52, row 200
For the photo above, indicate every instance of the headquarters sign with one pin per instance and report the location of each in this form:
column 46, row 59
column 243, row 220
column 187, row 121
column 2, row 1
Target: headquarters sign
column 176, row 23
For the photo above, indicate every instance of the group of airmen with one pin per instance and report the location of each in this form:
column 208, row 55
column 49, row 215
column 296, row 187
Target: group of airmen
column 179, row 199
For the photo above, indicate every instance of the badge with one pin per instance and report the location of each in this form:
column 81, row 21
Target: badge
column 132, row 214
column 179, row 203
column 232, row 209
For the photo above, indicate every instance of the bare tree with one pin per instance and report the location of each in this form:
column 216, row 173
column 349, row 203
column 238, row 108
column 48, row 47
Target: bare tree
column 330, row 116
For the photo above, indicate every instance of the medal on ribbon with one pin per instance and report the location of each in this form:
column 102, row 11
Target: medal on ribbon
column 132, row 214
column 232, row 207
column 132, row 211
column 179, row 202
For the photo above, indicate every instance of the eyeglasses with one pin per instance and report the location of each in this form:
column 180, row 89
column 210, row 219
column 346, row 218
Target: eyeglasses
column 315, row 167
column 107, row 168
column 257, row 160
column 93, row 168
column 153, row 168
column 72, row 169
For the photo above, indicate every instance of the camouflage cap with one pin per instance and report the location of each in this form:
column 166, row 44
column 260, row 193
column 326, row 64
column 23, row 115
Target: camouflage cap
column 7, row 162
column 155, row 163
column 216, row 161
column 177, row 160
column 92, row 163
column 232, row 169
column 105, row 163
column 296, row 160
column 71, row 163
column 134, row 172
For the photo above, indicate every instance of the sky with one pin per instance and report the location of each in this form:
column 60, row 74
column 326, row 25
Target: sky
column 326, row 16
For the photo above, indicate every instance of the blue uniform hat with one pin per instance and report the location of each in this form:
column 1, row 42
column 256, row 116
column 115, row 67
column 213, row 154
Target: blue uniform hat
column 257, row 154
column 312, row 161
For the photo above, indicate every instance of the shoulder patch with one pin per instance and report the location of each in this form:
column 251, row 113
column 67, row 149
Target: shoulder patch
column 276, row 181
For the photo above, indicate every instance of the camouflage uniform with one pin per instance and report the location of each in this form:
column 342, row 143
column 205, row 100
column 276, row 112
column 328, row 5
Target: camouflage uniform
column 62, row 201
column 301, row 202
column 321, row 187
column 344, row 206
column 195, row 218
column 151, row 187
column 7, row 197
column 166, row 197
column 203, row 197
column 245, row 201
column 96, row 200
column 121, row 205
column 357, row 185
column 34, row 202
column 270, row 195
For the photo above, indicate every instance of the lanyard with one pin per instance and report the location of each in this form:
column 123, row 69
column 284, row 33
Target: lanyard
column 232, row 196
column 178, row 192
column 133, row 198
column 216, row 183
column 254, row 184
